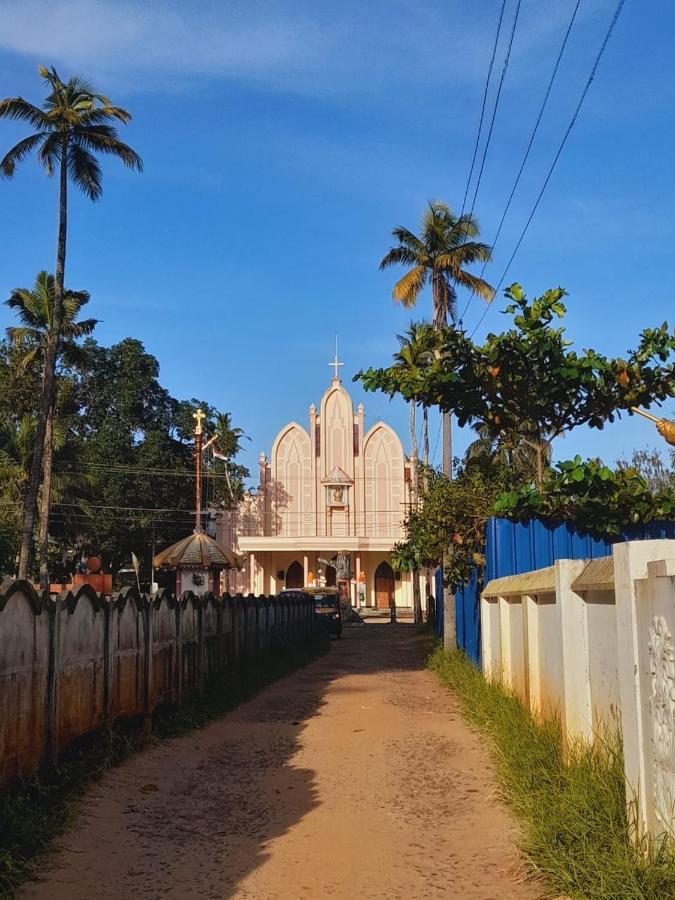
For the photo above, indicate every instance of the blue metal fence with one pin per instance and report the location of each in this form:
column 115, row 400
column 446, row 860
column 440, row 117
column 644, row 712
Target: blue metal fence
column 514, row 547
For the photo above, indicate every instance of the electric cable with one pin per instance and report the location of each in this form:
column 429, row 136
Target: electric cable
column 494, row 111
column 530, row 143
column 482, row 111
column 599, row 56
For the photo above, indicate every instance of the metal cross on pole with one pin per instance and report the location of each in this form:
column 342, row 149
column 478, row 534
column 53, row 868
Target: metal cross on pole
column 199, row 416
column 336, row 364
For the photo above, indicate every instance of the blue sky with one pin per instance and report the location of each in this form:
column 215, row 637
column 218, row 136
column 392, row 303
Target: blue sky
column 282, row 142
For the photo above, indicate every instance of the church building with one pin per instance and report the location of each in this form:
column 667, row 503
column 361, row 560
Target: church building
column 331, row 495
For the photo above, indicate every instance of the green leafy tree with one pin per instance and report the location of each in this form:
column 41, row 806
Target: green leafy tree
column 439, row 257
column 138, row 443
column 529, row 382
column 72, row 126
column 33, row 339
column 447, row 527
column 596, row 498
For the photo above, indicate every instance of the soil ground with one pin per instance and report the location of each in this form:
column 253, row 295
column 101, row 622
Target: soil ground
column 355, row 777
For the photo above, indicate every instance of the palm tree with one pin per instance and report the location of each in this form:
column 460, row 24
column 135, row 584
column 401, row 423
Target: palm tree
column 73, row 124
column 514, row 449
column 439, row 257
column 414, row 355
column 35, row 337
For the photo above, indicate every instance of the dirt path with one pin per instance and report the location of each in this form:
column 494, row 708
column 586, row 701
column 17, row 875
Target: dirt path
column 353, row 778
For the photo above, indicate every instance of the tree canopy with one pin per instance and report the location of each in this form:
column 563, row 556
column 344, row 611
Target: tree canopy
column 528, row 380
column 125, row 441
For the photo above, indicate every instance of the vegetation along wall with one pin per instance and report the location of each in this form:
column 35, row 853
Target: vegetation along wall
column 75, row 663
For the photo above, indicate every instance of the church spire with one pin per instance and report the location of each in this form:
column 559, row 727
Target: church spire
column 336, row 364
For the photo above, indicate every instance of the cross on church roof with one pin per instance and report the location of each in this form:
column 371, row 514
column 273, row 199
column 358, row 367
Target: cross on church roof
column 336, row 364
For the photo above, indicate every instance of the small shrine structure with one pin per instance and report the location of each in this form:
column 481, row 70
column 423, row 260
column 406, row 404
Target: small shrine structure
column 197, row 559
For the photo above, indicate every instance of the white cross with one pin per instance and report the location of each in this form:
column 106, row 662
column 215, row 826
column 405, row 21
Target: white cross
column 335, row 364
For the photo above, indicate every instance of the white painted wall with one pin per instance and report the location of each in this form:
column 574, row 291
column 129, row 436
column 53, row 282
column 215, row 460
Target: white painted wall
column 601, row 656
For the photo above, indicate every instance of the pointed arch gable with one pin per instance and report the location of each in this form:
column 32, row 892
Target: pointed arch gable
column 291, row 487
column 284, row 432
column 337, row 431
column 383, row 461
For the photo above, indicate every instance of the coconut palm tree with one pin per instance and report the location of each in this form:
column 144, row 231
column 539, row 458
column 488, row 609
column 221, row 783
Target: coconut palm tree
column 513, row 449
column 35, row 337
column 439, row 257
column 72, row 126
column 414, row 355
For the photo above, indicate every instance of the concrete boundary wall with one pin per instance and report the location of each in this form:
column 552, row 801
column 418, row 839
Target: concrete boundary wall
column 592, row 642
column 78, row 662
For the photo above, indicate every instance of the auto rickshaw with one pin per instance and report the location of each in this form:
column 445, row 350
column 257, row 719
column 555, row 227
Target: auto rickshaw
column 327, row 609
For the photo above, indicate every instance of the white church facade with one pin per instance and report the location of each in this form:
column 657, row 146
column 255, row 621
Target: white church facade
column 332, row 489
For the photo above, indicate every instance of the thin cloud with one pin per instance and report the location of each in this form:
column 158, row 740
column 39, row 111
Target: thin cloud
column 303, row 47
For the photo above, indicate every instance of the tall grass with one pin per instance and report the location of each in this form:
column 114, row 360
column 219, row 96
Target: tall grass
column 35, row 811
column 572, row 811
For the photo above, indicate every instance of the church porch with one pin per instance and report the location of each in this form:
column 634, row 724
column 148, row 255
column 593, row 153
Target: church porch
column 373, row 578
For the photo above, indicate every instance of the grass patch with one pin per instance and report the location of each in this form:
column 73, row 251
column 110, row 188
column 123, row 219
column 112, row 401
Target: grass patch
column 36, row 811
column 576, row 833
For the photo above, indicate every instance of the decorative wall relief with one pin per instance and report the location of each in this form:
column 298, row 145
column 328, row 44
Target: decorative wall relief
column 662, row 705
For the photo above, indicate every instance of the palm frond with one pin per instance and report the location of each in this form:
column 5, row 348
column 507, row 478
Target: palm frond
column 18, row 153
column 20, row 109
column 407, row 238
column 399, row 256
column 407, row 289
column 80, row 329
column 85, row 171
column 474, row 284
column 101, row 114
column 28, row 307
column 50, row 152
column 104, row 139
column 464, row 255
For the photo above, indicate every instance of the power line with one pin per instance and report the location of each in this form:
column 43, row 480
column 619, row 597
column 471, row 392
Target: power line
column 482, row 111
column 530, row 143
column 494, row 111
column 613, row 22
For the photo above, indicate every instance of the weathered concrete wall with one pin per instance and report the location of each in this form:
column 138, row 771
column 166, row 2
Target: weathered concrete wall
column 78, row 662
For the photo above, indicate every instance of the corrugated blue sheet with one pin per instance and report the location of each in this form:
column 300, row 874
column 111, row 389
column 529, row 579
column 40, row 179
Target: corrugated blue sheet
column 514, row 547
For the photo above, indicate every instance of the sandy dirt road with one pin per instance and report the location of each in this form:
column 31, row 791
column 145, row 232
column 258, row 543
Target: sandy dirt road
column 355, row 777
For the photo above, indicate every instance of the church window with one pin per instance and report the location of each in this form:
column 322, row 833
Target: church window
column 356, row 440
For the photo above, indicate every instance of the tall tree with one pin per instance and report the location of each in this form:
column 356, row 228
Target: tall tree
column 34, row 337
column 438, row 256
column 73, row 124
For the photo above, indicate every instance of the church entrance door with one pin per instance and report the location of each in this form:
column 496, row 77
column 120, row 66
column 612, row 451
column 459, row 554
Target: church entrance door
column 331, row 576
column 295, row 575
column 384, row 585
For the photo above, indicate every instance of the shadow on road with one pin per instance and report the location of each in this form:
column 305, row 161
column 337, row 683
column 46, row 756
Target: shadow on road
column 194, row 816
